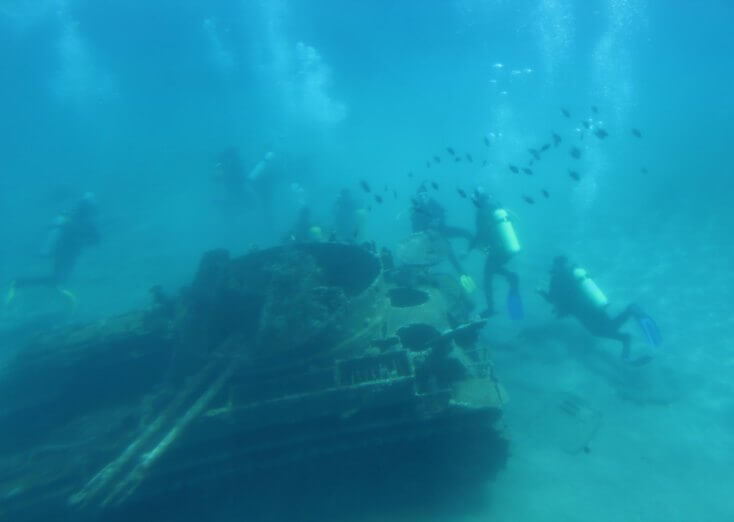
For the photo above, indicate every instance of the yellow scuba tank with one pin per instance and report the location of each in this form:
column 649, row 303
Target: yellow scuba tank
column 506, row 231
column 589, row 289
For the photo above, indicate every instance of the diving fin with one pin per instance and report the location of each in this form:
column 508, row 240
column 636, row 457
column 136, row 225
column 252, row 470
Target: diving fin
column 514, row 306
column 649, row 327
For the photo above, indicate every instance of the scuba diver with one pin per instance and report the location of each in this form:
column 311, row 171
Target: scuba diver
column 304, row 230
column 71, row 233
column 231, row 175
column 246, row 188
column 572, row 292
column 348, row 218
column 429, row 217
column 496, row 236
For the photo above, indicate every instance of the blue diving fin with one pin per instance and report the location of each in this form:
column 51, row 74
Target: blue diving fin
column 514, row 306
column 649, row 328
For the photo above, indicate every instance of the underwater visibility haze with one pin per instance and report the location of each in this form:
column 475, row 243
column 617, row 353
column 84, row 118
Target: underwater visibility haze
column 519, row 210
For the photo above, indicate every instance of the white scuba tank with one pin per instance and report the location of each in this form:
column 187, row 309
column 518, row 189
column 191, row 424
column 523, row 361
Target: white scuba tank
column 588, row 287
column 506, row 231
column 258, row 169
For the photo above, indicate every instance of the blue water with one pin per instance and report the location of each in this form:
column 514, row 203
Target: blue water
column 135, row 100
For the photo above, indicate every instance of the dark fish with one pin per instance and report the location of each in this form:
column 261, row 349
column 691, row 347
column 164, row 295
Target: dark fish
column 529, row 200
column 395, row 194
column 643, row 170
column 575, row 152
column 545, row 147
column 574, row 175
column 457, row 160
column 484, row 163
column 437, row 159
column 636, row 133
column 434, row 185
column 535, row 153
column 531, row 163
column 601, row 133
column 527, row 171
column 365, row 186
column 451, row 151
column 556, row 139
column 595, row 109
column 428, row 164
column 378, row 198
column 586, row 124
column 486, row 141
column 461, row 192
column 545, row 193
column 385, row 189
column 514, row 169
column 565, row 112
column 469, row 158
column 410, row 174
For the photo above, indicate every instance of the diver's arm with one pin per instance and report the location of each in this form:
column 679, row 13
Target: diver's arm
column 451, row 232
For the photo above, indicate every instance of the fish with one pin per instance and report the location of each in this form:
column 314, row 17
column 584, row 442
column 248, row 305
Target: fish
column 378, row 198
column 428, row 164
column 395, row 194
column 486, row 141
column 469, row 158
column 586, row 124
column 575, row 152
column 514, row 169
column 528, row 171
column 535, row 153
column 643, row 170
column 595, row 109
column 437, row 159
column 410, row 174
column 434, row 185
column 457, row 160
column 545, row 147
column 556, row 139
column 545, row 193
column 565, row 112
column 601, row 133
column 461, row 192
column 451, row 151
column 365, row 186
column 574, row 175
column 636, row 133
column 484, row 163
column 385, row 190
column 528, row 200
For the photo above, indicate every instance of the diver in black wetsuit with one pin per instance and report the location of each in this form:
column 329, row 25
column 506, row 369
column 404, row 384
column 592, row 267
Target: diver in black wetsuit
column 71, row 233
column 495, row 236
column 428, row 216
column 572, row 292
column 347, row 220
column 230, row 173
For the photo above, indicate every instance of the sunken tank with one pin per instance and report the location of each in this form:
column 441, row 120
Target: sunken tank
column 299, row 357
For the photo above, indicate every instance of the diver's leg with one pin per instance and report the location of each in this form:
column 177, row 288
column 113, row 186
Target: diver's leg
column 452, row 258
column 512, row 280
column 623, row 317
column 622, row 337
column 489, row 270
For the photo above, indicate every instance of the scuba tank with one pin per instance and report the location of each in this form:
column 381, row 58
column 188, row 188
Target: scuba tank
column 506, row 231
column 588, row 287
column 258, row 169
